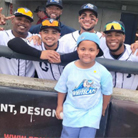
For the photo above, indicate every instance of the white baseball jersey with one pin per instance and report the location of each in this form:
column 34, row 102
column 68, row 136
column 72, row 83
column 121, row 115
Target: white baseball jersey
column 12, row 66
column 123, row 80
column 70, row 40
column 47, row 70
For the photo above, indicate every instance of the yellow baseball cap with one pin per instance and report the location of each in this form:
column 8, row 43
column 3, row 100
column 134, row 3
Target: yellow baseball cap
column 22, row 11
column 116, row 26
column 50, row 23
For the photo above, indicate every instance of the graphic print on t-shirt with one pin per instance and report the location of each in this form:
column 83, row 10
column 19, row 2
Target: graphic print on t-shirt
column 85, row 88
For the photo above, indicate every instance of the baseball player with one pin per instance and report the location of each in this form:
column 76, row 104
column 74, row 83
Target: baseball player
column 53, row 10
column 21, row 24
column 50, row 33
column 117, row 50
column 88, row 18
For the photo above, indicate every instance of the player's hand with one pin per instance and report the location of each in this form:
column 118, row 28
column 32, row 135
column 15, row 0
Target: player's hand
column 134, row 47
column 58, row 111
column 36, row 39
column 50, row 54
column 103, row 34
column 3, row 18
column 53, row 60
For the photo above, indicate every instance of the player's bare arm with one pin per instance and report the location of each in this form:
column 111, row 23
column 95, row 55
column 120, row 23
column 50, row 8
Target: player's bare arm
column 36, row 39
column 3, row 19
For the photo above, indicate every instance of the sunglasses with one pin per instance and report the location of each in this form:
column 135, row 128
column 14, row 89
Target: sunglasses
column 50, row 23
column 25, row 12
column 116, row 26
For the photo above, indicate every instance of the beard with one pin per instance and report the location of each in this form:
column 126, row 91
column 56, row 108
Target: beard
column 87, row 29
column 115, row 50
column 50, row 46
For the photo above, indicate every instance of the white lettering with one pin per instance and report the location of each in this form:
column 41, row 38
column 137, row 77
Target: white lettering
column 30, row 110
column 23, row 109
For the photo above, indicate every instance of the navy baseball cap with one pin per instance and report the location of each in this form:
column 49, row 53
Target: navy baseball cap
column 22, row 11
column 90, row 7
column 50, row 23
column 116, row 26
column 91, row 37
column 54, row 2
column 40, row 8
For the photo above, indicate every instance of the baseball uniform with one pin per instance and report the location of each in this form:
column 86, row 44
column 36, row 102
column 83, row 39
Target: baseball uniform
column 12, row 66
column 123, row 80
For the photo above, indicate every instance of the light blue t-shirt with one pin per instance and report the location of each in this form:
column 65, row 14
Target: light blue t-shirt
column 85, row 89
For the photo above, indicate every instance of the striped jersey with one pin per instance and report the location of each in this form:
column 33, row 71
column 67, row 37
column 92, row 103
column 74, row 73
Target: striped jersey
column 11, row 66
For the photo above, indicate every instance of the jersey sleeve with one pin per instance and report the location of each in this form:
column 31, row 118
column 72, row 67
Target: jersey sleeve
column 20, row 46
column 69, row 57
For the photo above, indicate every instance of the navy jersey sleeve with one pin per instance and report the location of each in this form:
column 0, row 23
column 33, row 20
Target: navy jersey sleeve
column 69, row 57
column 20, row 46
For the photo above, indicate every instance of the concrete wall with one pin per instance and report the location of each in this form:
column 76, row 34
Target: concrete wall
column 48, row 85
column 107, row 11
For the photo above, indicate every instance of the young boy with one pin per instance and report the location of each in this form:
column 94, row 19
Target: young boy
column 88, row 85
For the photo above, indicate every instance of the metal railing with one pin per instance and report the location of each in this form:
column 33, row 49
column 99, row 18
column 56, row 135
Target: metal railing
column 111, row 65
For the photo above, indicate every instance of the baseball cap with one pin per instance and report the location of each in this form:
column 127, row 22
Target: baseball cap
column 50, row 23
column 40, row 8
column 22, row 11
column 54, row 2
column 117, row 26
column 90, row 7
column 91, row 37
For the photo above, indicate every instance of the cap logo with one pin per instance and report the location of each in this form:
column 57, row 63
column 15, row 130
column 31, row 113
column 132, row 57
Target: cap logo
column 90, row 6
column 51, row 20
column 57, row 1
column 24, row 11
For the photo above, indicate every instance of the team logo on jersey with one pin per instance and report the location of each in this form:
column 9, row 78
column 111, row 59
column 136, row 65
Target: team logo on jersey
column 85, row 88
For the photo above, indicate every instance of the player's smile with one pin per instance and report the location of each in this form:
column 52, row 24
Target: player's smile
column 53, row 16
column 113, row 44
column 87, row 24
column 21, row 27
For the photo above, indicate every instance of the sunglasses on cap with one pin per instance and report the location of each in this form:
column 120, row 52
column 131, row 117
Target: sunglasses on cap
column 114, row 26
column 51, row 22
column 24, row 11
